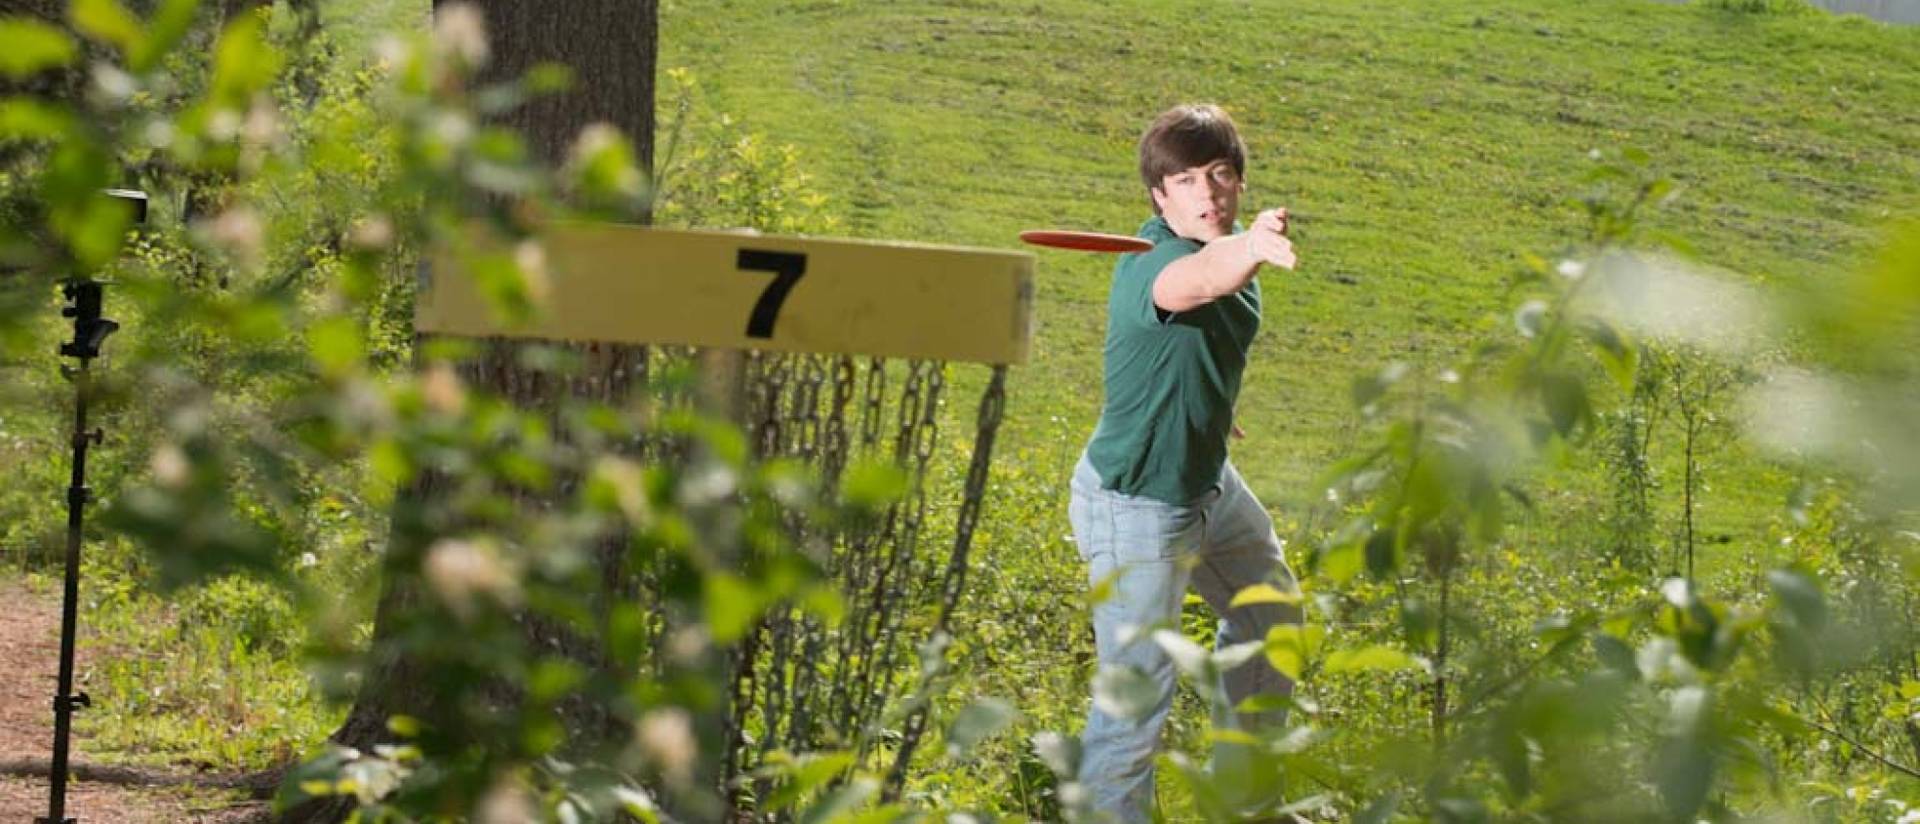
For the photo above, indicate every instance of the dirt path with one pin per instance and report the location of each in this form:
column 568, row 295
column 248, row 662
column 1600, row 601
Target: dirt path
column 29, row 668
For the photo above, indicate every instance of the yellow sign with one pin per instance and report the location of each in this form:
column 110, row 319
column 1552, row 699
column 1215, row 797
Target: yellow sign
column 633, row 284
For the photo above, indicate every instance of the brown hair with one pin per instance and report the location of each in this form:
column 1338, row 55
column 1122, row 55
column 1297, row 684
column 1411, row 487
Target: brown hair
column 1186, row 136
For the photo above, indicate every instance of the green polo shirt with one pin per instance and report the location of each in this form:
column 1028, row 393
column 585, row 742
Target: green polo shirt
column 1171, row 379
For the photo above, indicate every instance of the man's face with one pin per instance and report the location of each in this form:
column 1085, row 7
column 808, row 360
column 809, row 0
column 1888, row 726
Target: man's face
column 1201, row 202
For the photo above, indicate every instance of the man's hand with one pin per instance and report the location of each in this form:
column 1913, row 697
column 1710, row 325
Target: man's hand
column 1225, row 265
column 1267, row 240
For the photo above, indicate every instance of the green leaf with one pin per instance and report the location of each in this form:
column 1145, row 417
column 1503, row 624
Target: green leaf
column 1383, row 555
column 1417, row 621
column 1205, row 794
column 1531, row 318
column 636, row 802
column 28, row 119
column 1800, row 503
column 1615, row 655
column 1340, row 473
column 1342, row 562
column 1262, row 594
column 28, row 47
column 825, row 603
column 1371, row 388
column 1060, row 753
column 109, row 22
column 1230, row 657
column 94, row 227
column 873, row 484
column 1509, row 751
column 1378, row 657
column 552, row 678
column 549, row 78
column 1190, row 657
column 843, row 801
column 1566, row 401
column 977, row 722
column 169, row 25
column 1801, row 596
column 405, row 726
column 1685, row 764
column 1124, row 692
column 503, row 285
column 1260, row 703
column 1622, row 361
column 1459, row 810
column 808, row 773
column 243, row 63
column 882, row 814
column 336, row 345
column 732, row 605
column 1291, row 646
column 1381, row 810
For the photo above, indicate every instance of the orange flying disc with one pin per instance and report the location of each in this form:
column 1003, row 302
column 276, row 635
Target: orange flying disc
column 1085, row 241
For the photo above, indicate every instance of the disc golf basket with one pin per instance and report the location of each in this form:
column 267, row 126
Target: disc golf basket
column 847, row 357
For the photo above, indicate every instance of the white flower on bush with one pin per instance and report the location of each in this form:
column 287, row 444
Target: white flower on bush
column 170, row 465
column 531, row 258
column 442, row 390
column 460, row 31
column 371, row 233
column 450, row 130
column 666, row 739
column 602, row 148
column 223, row 125
column 507, row 802
column 391, row 52
column 241, row 232
column 461, row 573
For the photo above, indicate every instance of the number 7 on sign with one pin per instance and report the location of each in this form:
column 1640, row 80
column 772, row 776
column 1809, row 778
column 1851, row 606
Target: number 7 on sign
column 641, row 285
column 787, row 269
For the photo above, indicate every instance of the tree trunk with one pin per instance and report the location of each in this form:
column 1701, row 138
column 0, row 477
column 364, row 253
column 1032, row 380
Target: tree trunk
column 610, row 47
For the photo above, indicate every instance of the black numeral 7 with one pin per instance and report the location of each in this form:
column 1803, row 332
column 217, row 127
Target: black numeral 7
column 787, row 268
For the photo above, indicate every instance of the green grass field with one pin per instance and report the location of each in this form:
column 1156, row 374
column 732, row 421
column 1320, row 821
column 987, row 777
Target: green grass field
column 1421, row 147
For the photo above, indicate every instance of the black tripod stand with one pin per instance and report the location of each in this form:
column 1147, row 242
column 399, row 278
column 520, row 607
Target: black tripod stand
column 84, row 297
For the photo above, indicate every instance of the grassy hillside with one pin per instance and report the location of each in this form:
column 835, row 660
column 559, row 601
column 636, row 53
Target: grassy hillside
column 1420, row 146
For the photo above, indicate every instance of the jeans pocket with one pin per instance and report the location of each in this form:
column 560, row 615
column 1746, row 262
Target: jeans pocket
column 1151, row 531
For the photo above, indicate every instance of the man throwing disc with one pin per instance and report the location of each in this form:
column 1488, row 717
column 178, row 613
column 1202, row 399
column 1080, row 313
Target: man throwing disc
column 1156, row 505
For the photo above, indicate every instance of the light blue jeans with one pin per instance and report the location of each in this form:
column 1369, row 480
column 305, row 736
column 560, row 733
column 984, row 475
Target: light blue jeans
column 1151, row 552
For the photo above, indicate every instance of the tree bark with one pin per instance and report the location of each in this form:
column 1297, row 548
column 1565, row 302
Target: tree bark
column 610, row 47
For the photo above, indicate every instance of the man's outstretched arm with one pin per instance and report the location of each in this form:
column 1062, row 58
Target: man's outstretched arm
column 1225, row 265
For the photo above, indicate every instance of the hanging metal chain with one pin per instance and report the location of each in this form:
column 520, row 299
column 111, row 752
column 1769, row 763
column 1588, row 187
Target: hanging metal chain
column 869, row 571
column 876, row 395
column 805, row 417
column 799, row 685
column 905, row 567
column 767, row 373
column 834, row 460
column 992, row 408
column 803, row 634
